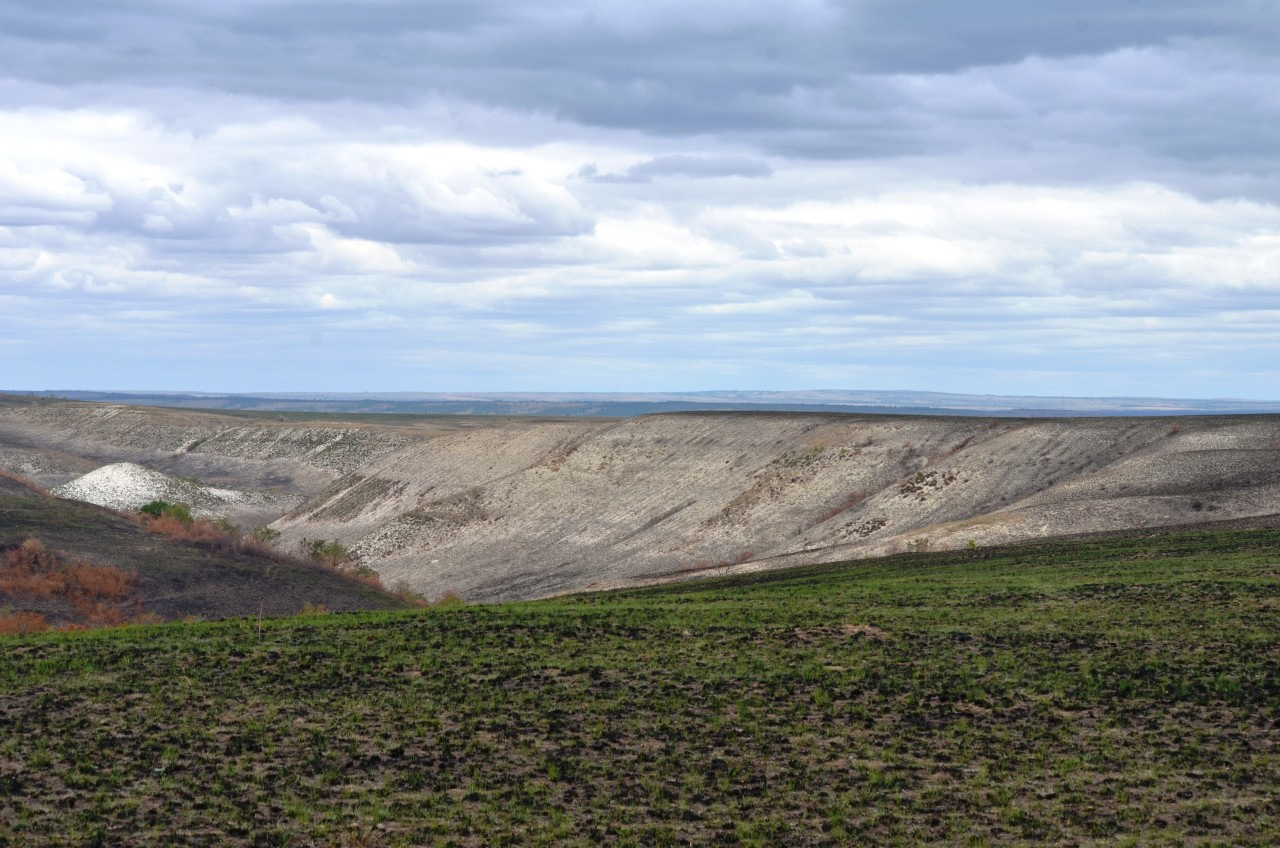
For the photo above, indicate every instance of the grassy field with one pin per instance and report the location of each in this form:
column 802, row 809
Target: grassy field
column 1115, row 692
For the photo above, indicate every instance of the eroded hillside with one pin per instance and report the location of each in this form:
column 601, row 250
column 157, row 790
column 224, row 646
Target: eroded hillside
column 537, row 508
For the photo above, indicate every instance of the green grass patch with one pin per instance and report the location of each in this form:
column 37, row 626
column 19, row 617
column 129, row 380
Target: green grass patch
column 1090, row 693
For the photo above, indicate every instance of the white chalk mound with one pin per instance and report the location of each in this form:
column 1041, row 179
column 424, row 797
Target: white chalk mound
column 126, row 485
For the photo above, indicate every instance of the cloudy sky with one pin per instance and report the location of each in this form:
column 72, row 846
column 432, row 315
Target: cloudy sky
column 441, row 195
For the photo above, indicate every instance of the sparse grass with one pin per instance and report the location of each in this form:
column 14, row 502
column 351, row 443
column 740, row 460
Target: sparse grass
column 22, row 482
column 1107, row 692
column 220, row 535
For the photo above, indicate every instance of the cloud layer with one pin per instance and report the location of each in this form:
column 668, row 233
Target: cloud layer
column 602, row 196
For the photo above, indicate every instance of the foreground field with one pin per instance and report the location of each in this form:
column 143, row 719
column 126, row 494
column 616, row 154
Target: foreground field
column 1108, row 692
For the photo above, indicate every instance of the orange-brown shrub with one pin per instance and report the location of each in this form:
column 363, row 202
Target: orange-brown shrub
column 197, row 531
column 94, row 613
column 16, row 623
column 100, row 581
column 30, row 572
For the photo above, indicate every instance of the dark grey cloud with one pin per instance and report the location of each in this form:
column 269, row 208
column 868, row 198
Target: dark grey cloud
column 1182, row 92
column 586, row 61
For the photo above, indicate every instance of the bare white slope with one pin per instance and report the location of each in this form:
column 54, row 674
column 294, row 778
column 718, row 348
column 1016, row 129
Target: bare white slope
column 126, row 485
column 542, row 508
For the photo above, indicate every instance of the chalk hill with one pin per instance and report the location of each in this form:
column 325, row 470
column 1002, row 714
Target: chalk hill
column 126, row 485
column 537, row 508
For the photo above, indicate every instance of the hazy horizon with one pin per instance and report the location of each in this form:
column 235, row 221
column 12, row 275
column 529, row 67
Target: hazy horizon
column 626, row 404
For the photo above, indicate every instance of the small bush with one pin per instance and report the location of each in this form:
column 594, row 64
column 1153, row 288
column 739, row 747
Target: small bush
column 30, row 571
column 265, row 535
column 197, row 530
column 225, row 527
column 163, row 509
column 155, row 509
column 408, row 594
column 100, row 581
column 449, row 599
column 331, row 554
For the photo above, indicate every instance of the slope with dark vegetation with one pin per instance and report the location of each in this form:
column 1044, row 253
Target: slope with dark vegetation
column 190, row 570
column 1102, row 692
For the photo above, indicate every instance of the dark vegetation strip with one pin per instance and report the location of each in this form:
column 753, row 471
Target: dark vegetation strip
column 54, row 551
column 1110, row 692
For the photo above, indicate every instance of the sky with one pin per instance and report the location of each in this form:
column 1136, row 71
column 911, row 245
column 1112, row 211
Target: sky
column 485, row 195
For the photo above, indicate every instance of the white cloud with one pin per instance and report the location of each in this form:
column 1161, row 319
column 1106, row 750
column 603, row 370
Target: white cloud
column 771, row 306
column 330, row 252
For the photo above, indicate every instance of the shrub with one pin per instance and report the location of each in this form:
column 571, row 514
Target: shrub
column 30, row 572
column 225, row 527
column 163, row 509
column 155, row 509
column 408, row 594
column 331, row 554
column 265, row 535
column 100, row 581
column 196, row 530
column 449, row 599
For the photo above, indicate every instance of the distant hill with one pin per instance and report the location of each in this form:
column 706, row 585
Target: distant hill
column 628, row 404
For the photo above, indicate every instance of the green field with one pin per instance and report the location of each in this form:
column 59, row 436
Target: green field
column 1117, row 692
